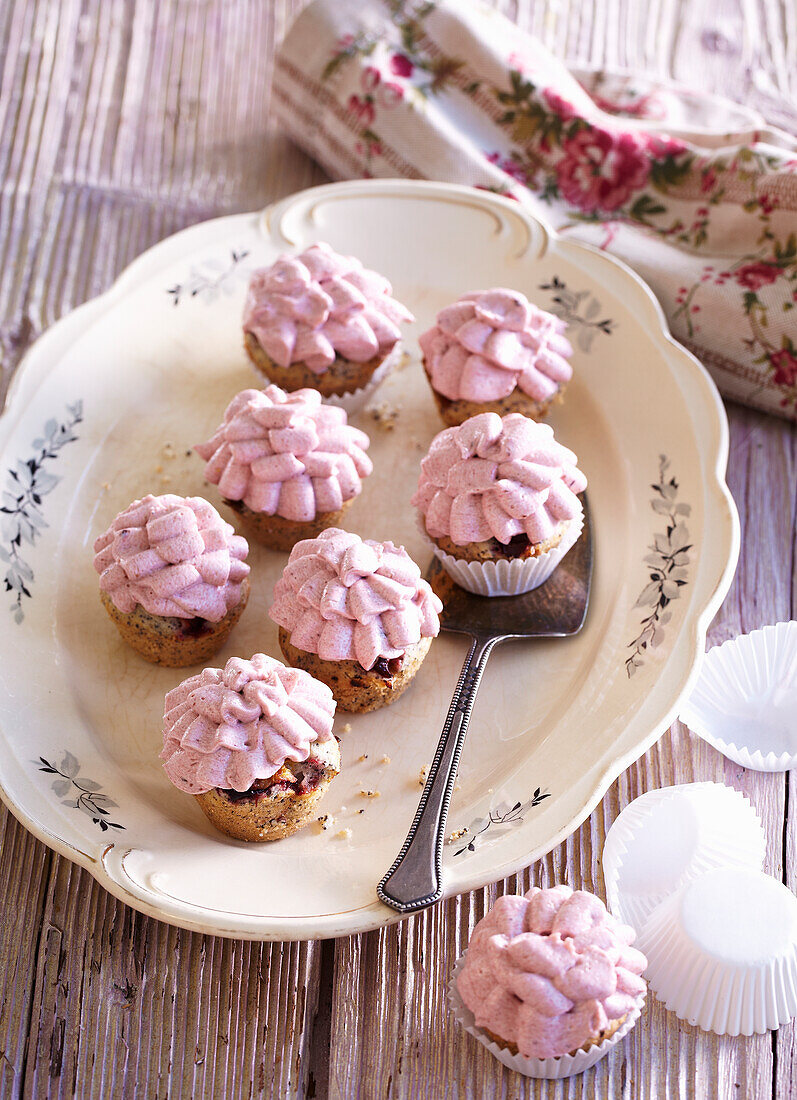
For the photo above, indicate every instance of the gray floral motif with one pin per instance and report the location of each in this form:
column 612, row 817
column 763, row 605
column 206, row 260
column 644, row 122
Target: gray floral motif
column 21, row 518
column 668, row 560
column 500, row 820
column 580, row 308
column 211, row 278
column 79, row 793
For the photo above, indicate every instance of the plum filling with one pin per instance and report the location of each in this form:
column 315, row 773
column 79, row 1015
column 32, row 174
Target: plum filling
column 387, row 668
column 192, row 628
column 298, row 777
column 515, row 548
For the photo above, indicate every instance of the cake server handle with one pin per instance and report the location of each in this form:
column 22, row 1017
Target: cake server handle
column 415, row 880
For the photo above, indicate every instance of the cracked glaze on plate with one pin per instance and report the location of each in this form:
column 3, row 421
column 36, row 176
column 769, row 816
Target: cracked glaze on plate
column 154, row 362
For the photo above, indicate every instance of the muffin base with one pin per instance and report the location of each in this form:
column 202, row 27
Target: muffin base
column 341, row 377
column 170, row 640
column 355, row 689
column 457, row 412
column 492, row 549
column 271, row 817
column 278, row 533
column 612, row 1027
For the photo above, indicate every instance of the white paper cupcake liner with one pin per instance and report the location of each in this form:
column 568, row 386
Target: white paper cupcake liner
column 670, row 836
column 354, row 401
column 722, row 952
column 506, row 577
column 548, row 1068
column 745, row 700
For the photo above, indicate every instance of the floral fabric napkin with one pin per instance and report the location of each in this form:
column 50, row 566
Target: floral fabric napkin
column 694, row 192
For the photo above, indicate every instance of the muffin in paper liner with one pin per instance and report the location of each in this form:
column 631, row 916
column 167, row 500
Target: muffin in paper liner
column 668, row 837
column 354, row 401
column 506, row 577
column 722, row 952
column 547, row 1068
column 745, row 699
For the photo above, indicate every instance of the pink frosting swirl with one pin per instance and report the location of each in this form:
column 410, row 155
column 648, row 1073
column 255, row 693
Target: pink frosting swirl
column 228, row 727
column 311, row 307
column 349, row 599
column 549, row 970
column 286, row 454
column 173, row 556
column 489, row 342
column 497, row 477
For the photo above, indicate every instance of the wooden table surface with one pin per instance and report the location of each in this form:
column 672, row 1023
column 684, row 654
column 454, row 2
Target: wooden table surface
column 122, row 121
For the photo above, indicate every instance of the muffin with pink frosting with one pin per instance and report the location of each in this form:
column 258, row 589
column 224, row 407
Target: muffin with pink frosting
column 253, row 743
column 497, row 497
column 322, row 320
column 172, row 578
column 286, row 463
column 494, row 351
column 357, row 614
column 551, row 973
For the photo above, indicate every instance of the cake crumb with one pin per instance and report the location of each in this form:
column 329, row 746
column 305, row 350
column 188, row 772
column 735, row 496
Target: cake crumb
column 188, row 454
column 344, row 834
column 343, row 809
column 456, row 835
column 385, row 759
column 346, row 728
column 363, row 757
column 422, row 776
column 159, row 469
column 385, row 415
column 326, row 821
column 403, row 361
column 370, row 794
column 168, row 451
column 362, row 811
column 165, row 479
column 106, row 485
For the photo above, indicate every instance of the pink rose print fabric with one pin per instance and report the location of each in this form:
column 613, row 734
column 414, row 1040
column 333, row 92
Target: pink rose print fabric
column 694, row 192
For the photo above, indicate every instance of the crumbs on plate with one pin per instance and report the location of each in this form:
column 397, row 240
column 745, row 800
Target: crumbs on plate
column 456, row 835
column 384, row 415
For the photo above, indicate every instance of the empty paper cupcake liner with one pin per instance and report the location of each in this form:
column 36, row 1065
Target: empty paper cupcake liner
column 670, row 836
column 506, row 577
column 354, row 401
column 745, row 700
column 548, row 1068
column 722, row 952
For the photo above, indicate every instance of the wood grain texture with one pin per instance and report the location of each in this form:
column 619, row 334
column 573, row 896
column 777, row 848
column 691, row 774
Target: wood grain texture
column 121, row 122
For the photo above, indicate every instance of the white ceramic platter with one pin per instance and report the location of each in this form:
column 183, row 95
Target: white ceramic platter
column 106, row 407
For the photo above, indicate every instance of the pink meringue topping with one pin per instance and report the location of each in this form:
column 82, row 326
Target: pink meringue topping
column 497, row 477
column 549, row 970
column 488, row 342
column 286, row 454
column 174, row 556
column 228, row 727
column 349, row 599
column 314, row 306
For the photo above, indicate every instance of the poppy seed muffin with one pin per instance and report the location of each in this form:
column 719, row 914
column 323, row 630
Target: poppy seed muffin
column 550, row 973
column 253, row 743
column 172, row 578
column 357, row 615
column 321, row 320
column 288, row 464
column 494, row 351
